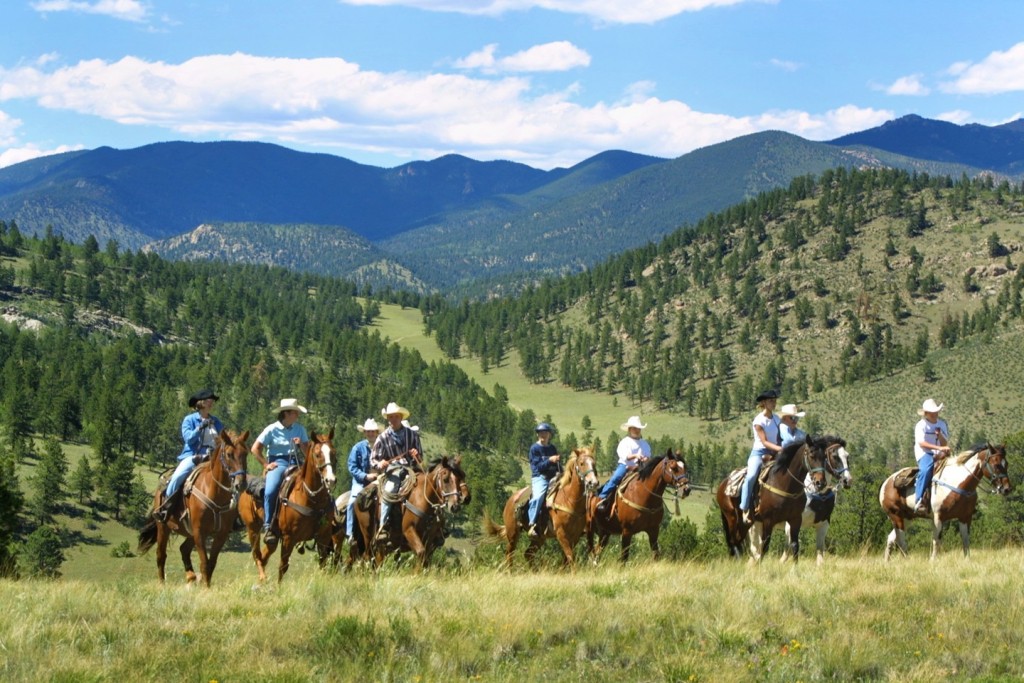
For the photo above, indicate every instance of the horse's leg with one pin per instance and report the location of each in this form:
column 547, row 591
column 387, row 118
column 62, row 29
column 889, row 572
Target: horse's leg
column 186, row 558
column 567, row 549
column 757, row 541
column 162, row 536
column 820, row 533
column 652, row 537
column 511, row 541
column 286, row 554
column 211, row 559
column 965, row 538
column 794, row 541
column 936, row 537
column 626, row 540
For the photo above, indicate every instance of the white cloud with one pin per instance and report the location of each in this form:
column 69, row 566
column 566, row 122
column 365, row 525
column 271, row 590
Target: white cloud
column 329, row 103
column 15, row 155
column 908, row 85
column 958, row 116
column 785, row 65
column 1000, row 72
column 611, row 11
column 557, row 56
column 128, row 10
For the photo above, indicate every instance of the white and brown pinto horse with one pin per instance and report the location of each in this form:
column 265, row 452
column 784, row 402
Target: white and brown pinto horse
column 954, row 495
column 820, row 504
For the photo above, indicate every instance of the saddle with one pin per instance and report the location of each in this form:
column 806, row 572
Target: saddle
column 394, row 494
column 737, row 477
column 191, row 479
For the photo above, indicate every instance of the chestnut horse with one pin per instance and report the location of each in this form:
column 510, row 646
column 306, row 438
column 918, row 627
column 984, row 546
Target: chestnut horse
column 567, row 515
column 820, row 504
column 782, row 498
column 210, row 505
column 954, row 495
column 638, row 505
column 305, row 509
column 420, row 528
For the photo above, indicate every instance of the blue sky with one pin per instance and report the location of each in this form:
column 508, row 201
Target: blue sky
column 543, row 82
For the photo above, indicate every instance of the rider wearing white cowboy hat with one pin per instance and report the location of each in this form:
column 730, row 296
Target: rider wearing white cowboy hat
column 931, row 443
column 359, row 468
column 281, row 439
column 632, row 450
column 788, row 431
column 397, row 447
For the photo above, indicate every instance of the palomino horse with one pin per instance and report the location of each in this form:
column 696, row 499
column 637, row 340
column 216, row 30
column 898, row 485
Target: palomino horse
column 954, row 495
column 638, row 505
column 567, row 514
column 305, row 509
column 420, row 527
column 820, row 504
column 211, row 497
column 782, row 498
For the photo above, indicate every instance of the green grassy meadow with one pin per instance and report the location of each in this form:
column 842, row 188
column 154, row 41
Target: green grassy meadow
column 855, row 619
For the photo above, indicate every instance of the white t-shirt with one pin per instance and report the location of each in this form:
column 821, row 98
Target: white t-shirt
column 928, row 431
column 770, row 425
column 630, row 451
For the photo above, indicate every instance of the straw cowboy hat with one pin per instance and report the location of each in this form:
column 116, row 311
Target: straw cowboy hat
column 929, row 406
column 415, row 428
column 633, row 421
column 394, row 409
column 289, row 404
column 201, row 395
column 789, row 410
column 369, row 426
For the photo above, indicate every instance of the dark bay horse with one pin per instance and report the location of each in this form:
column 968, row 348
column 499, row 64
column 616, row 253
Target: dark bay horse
column 435, row 493
column 210, row 498
column 782, row 498
column 954, row 495
column 820, row 504
column 305, row 508
column 638, row 505
column 567, row 515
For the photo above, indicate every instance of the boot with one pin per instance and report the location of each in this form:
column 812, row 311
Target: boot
column 603, row 505
column 382, row 532
column 168, row 507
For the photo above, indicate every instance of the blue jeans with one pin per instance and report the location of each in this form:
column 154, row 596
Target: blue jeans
column 273, row 486
column 350, row 510
column 540, row 489
column 181, row 472
column 613, row 481
column 754, row 462
column 924, row 477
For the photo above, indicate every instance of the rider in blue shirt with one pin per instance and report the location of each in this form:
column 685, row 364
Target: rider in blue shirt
column 199, row 431
column 282, row 439
column 543, row 466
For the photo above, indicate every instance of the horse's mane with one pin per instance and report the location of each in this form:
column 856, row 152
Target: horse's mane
column 648, row 467
column 437, row 462
column 827, row 440
column 783, row 459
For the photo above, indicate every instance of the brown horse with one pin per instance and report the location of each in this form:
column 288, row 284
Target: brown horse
column 420, row 528
column 567, row 515
column 954, row 495
column 210, row 506
column 782, row 498
column 638, row 505
column 305, row 508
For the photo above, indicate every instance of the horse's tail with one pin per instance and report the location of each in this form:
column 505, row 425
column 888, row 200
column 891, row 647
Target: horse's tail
column 491, row 530
column 147, row 536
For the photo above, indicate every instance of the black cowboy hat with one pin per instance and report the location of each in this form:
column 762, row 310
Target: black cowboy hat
column 201, row 395
column 764, row 395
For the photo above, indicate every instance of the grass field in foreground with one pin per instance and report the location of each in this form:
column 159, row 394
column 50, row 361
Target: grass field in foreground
column 853, row 619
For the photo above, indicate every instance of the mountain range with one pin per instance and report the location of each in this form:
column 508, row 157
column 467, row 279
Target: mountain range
column 453, row 224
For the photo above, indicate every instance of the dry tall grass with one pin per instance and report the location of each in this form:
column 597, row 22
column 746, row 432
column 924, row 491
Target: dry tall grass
column 853, row 619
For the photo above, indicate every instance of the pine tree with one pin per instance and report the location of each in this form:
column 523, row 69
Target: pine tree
column 82, row 483
column 47, row 485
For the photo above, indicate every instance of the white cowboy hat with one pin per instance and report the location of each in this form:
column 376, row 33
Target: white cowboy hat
column 789, row 410
column 634, row 421
column 930, row 406
column 369, row 426
column 394, row 409
column 415, row 428
column 289, row 404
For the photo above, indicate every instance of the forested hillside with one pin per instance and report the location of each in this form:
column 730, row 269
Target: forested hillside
column 104, row 346
column 839, row 281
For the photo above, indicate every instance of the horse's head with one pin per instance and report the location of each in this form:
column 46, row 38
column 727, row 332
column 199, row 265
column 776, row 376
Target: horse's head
column 586, row 468
column 995, row 467
column 448, row 481
column 321, row 448
column 675, row 473
column 234, row 459
column 837, row 461
column 810, row 455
